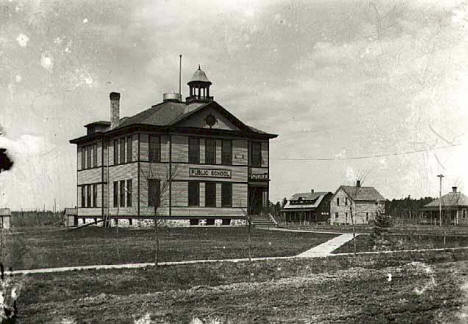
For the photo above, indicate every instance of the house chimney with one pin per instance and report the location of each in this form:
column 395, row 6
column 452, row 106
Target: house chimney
column 311, row 190
column 114, row 109
column 454, row 189
column 358, row 183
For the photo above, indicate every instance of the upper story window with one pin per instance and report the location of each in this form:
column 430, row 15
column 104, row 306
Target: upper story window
column 194, row 150
column 129, row 149
column 210, row 151
column 154, row 149
column 256, row 154
column 116, row 152
column 83, row 158
column 88, row 157
column 122, row 150
column 95, row 155
column 338, row 201
column 226, row 152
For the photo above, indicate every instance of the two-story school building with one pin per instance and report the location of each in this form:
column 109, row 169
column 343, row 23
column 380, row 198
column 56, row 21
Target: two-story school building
column 193, row 162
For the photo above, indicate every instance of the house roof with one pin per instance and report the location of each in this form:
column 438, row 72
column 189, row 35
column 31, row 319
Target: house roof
column 452, row 199
column 362, row 193
column 315, row 197
column 170, row 113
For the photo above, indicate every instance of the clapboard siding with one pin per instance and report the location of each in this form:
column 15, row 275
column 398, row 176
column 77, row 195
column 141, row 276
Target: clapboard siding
column 179, row 148
column 239, row 195
column 202, row 150
column 90, row 176
column 202, row 194
column 180, row 194
column 218, row 151
column 144, row 147
column 240, row 152
column 238, row 173
column 218, row 195
column 78, row 153
column 99, row 153
column 165, row 146
column 89, row 212
column 264, row 147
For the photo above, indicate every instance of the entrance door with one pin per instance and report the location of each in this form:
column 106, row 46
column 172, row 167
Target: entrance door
column 256, row 200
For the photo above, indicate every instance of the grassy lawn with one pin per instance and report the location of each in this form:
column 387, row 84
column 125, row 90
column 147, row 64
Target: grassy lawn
column 53, row 247
column 339, row 289
column 365, row 243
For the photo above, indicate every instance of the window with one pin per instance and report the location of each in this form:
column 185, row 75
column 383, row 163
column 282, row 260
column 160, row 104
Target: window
column 122, row 193
column 129, row 149
column 154, row 149
column 226, row 194
column 88, row 157
column 226, row 152
column 130, row 222
column 122, row 150
column 95, row 155
column 367, row 217
column 129, row 193
column 210, row 151
column 193, row 193
column 210, row 194
column 336, row 215
column 256, row 154
column 88, row 196
column 153, row 193
column 83, row 196
column 83, row 158
column 338, row 201
column 116, row 152
column 116, row 194
column 194, row 150
column 346, row 201
column 94, row 195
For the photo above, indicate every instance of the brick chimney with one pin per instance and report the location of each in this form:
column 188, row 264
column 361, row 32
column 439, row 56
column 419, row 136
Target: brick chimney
column 114, row 109
column 358, row 183
column 454, row 189
column 311, row 191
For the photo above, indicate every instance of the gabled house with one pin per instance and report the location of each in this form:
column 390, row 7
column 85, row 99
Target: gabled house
column 191, row 161
column 362, row 203
column 454, row 209
column 307, row 207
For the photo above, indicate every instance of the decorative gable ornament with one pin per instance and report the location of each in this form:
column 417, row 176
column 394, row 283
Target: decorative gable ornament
column 210, row 120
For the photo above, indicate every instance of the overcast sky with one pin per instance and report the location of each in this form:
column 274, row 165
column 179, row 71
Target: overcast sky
column 370, row 89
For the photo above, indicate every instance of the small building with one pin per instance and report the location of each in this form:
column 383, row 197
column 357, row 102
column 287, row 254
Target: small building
column 71, row 217
column 191, row 161
column 307, row 207
column 454, row 209
column 5, row 218
column 362, row 203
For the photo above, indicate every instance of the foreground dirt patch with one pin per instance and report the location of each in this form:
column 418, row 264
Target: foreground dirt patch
column 413, row 292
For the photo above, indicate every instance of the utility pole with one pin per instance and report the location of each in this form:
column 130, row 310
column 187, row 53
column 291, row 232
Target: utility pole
column 440, row 198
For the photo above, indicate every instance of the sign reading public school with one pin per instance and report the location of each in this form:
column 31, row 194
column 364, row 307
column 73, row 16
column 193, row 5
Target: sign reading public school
column 210, row 173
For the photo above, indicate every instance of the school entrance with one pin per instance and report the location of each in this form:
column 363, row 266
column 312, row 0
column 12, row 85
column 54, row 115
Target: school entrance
column 258, row 198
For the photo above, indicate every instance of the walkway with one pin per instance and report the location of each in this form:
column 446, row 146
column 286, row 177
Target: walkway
column 326, row 248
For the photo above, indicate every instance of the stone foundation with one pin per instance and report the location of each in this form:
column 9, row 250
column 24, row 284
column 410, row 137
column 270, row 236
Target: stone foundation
column 142, row 223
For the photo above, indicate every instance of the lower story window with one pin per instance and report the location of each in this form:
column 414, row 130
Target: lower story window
column 122, row 193
column 153, row 193
column 226, row 194
column 210, row 194
column 193, row 193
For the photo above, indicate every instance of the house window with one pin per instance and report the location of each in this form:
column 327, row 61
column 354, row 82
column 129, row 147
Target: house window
column 153, row 193
column 88, row 157
column 83, row 196
column 210, row 194
column 226, row 152
column 88, row 196
column 83, row 158
column 116, row 152
column 94, row 195
column 122, row 193
column 346, row 201
column 337, row 201
column 346, row 216
column 116, row 194
column 194, row 150
column 154, row 149
column 129, row 149
column 210, row 151
column 129, row 193
column 226, row 194
column 194, row 193
column 122, row 150
column 367, row 217
column 256, row 154
column 95, row 155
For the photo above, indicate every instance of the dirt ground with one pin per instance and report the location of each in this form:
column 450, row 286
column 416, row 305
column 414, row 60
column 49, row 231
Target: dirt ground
column 329, row 290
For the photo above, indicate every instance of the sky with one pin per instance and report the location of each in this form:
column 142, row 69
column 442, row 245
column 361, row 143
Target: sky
column 375, row 90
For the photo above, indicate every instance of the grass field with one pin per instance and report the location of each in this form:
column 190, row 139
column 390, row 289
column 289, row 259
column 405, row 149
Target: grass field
column 53, row 247
column 410, row 288
column 365, row 243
